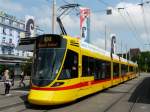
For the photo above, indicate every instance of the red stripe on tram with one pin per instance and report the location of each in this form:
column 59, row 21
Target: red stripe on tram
column 75, row 86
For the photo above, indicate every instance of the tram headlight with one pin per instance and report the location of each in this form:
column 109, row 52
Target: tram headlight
column 57, row 84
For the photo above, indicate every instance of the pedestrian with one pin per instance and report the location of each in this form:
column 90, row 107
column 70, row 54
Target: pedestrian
column 7, row 82
column 22, row 76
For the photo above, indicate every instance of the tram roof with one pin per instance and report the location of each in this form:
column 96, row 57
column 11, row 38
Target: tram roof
column 93, row 48
column 104, row 52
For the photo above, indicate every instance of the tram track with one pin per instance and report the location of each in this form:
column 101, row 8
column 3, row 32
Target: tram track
column 8, row 97
column 131, row 108
column 22, row 107
column 10, row 106
column 13, row 104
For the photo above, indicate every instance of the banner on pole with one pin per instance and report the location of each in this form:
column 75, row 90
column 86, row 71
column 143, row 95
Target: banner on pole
column 113, row 44
column 85, row 24
column 30, row 26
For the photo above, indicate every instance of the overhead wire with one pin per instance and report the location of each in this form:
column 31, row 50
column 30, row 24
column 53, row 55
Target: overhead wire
column 144, row 21
column 105, row 3
column 129, row 26
column 132, row 27
column 66, row 2
column 132, row 23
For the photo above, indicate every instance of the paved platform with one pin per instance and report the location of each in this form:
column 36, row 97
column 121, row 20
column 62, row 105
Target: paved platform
column 131, row 96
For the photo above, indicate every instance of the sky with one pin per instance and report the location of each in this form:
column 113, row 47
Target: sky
column 130, row 24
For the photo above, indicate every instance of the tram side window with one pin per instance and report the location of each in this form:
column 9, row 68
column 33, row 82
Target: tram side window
column 115, row 69
column 70, row 67
column 92, row 66
column 108, row 69
column 127, row 70
column 123, row 72
column 98, row 69
column 86, row 71
column 131, row 69
column 102, row 69
column 124, row 69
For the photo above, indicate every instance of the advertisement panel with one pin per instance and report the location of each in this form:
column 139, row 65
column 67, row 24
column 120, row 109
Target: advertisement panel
column 85, row 24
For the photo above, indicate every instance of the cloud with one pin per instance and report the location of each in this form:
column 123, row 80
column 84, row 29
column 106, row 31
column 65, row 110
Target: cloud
column 42, row 16
column 128, row 24
column 9, row 5
column 72, row 25
column 144, row 37
column 123, row 22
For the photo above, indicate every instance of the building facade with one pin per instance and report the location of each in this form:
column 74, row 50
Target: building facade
column 11, row 30
column 135, row 52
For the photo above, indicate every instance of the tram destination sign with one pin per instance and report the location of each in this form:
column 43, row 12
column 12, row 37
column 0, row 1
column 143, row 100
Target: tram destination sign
column 49, row 42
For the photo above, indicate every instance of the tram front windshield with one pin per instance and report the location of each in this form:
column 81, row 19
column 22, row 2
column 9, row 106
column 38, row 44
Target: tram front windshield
column 47, row 62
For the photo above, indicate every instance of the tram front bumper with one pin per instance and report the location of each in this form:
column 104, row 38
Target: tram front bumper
column 39, row 97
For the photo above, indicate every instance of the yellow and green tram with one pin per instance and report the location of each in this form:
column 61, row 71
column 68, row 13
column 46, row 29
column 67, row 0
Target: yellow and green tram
column 64, row 69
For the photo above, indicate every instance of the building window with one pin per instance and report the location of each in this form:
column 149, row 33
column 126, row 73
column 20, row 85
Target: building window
column 3, row 40
column 4, row 31
column 7, row 31
column 22, row 53
column 10, row 32
column 9, row 51
column 10, row 40
column 14, row 24
column 3, row 19
column 22, row 26
column 10, row 22
column 18, row 35
column 18, row 25
column 27, row 54
column 0, row 19
column 7, row 21
column 3, row 50
column 1, row 30
column 18, row 53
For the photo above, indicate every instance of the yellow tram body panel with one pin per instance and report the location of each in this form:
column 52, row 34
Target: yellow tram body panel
column 50, row 97
column 55, row 96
